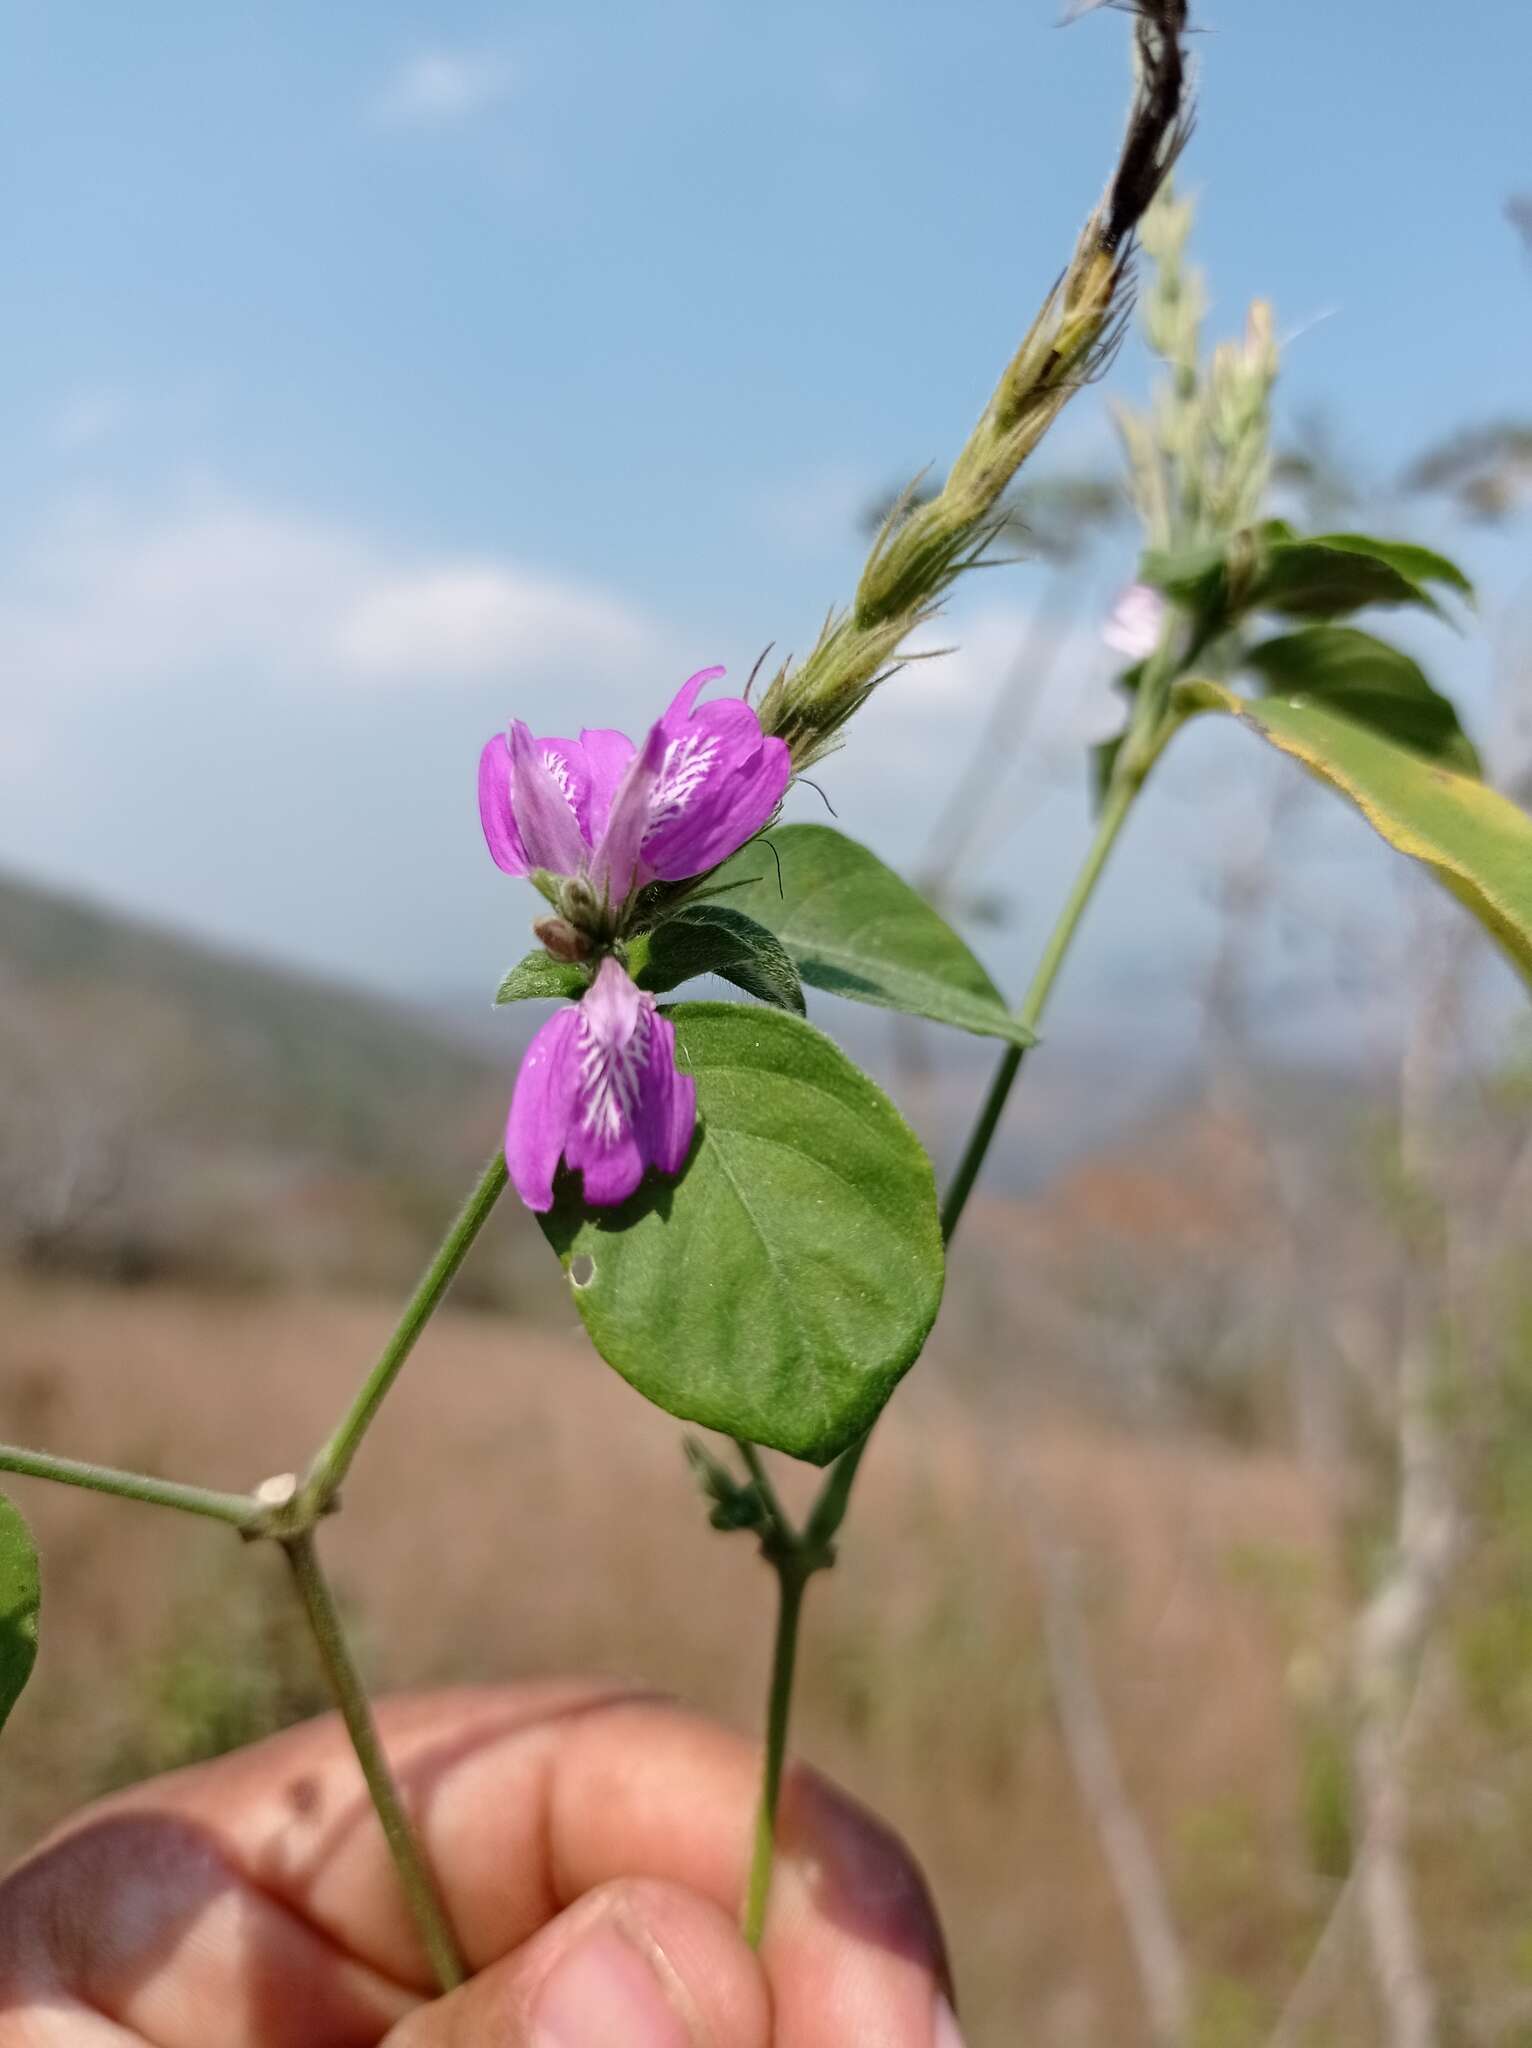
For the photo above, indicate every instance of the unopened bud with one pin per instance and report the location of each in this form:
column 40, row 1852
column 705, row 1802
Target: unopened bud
column 560, row 938
column 578, row 904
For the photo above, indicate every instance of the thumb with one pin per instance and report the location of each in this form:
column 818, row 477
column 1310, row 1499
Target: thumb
column 635, row 1964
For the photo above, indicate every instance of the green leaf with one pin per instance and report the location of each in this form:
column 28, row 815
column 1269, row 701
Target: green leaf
column 853, row 928
column 780, row 1287
column 1366, row 679
column 20, row 1597
column 539, row 974
column 1475, row 841
column 1326, row 578
column 1420, row 565
column 715, row 938
column 1320, row 576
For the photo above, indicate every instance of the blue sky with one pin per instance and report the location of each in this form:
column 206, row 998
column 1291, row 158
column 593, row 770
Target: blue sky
column 373, row 372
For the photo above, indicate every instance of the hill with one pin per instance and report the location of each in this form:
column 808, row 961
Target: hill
column 165, row 1103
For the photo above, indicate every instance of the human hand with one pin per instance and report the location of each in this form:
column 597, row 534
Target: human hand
column 591, row 1848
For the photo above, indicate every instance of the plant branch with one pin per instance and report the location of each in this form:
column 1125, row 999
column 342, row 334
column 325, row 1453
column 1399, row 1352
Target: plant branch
column 241, row 1511
column 332, row 1463
column 420, row 1890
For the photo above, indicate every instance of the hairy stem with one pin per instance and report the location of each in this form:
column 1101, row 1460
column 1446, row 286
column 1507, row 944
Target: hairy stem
column 923, row 549
column 793, row 1574
column 333, row 1462
column 425, row 1901
column 241, row 1510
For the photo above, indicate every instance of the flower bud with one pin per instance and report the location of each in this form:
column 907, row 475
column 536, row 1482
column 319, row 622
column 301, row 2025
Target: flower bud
column 560, row 938
column 578, row 904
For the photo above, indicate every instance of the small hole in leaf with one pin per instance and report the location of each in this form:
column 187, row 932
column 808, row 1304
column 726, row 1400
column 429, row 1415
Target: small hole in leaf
column 582, row 1270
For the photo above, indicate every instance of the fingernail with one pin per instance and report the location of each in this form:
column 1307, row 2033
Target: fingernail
column 602, row 1993
column 944, row 2026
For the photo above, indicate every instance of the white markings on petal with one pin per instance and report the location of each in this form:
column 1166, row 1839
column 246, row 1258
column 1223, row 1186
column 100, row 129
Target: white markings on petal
column 687, row 765
column 612, row 1073
column 558, row 768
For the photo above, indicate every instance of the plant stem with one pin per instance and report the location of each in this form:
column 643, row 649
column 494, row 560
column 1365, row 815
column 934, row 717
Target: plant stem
column 333, row 1462
column 241, row 1510
column 1114, row 811
column 425, row 1901
column 811, row 1552
column 793, row 1574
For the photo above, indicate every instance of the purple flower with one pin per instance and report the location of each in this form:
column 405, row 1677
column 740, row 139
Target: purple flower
column 705, row 780
column 599, row 1088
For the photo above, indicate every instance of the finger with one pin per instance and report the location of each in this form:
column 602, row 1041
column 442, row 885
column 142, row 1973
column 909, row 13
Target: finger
column 530, row 1797
column 62, row 2024
column 138, row 1927
column 633, row 1965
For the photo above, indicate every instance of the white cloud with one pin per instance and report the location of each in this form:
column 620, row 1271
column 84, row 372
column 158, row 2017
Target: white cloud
column 472, row 618
column 114, row 595
column 437, row 88
column 264, row 723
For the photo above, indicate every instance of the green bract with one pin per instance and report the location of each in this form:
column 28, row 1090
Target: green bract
column 540, row 975
column 853, row 928
column 777, row 1290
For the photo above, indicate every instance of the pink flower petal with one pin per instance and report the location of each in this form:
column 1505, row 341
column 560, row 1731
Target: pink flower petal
column 721, row 781
column 542, row 1106
column 615, row 865
column 496, row 814
column 680, row 707
column 1137, row 620
column 671, row 1101
column 607, row 755
column 544, row 796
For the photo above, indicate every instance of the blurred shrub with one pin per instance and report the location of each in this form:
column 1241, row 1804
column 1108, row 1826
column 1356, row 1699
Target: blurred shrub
column 1325, row 1795
column 234, row 1663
